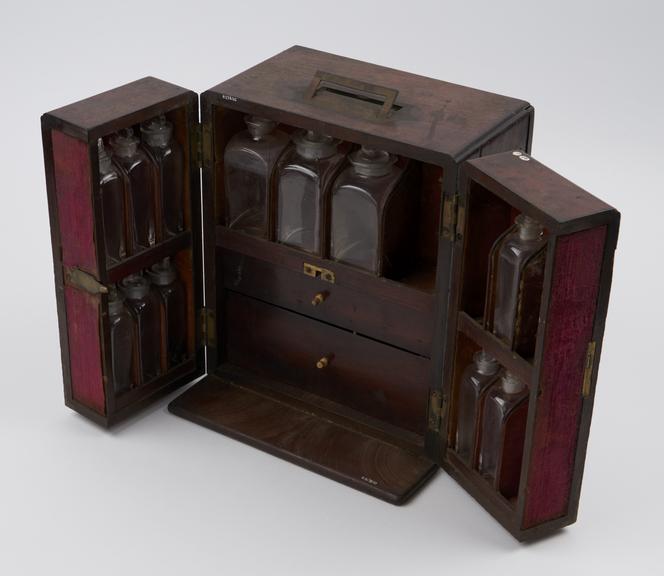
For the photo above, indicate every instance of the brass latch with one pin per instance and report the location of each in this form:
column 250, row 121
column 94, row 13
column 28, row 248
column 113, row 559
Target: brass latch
column 208, row 327
column 83, row 281
column 318, row 272
column 435, row 410
column 588, row 369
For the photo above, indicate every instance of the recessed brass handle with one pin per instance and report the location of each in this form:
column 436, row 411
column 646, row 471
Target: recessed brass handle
column 319, row 298
column 323, row 362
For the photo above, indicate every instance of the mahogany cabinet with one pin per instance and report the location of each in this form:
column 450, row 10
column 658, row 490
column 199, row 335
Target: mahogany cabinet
column 346, row 373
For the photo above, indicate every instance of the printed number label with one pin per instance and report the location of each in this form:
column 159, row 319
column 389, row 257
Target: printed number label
column 370, row 481
column 227, row 97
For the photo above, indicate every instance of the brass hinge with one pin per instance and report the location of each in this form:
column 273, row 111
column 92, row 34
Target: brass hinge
column 435, row 410
column 83, row 281
column 450, row 216
column 588, row 369
column 208, row 327
column 201, row 143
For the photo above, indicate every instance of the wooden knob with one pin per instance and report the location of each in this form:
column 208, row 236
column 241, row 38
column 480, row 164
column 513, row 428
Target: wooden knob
column 323, row 362
column 319, row 298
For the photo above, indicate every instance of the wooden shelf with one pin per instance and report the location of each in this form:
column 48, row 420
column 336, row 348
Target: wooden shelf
column 148, row 257
column 496, row 347
column 348, row 276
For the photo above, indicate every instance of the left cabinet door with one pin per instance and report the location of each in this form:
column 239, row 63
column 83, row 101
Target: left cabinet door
column 127, row 257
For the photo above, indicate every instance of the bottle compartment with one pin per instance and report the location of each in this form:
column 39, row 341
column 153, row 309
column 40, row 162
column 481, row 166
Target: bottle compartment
column 175, row 351
column 498, row 240
column 405, row 227
column 156, row 203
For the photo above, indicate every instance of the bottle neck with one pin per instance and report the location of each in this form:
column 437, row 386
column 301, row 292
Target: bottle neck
column 511, row 384
column 485, row 364
column 528, row 228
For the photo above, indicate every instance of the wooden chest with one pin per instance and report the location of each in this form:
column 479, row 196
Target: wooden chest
column 344, row 372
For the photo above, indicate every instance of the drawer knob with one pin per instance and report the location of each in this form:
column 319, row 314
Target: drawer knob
column 323, row 362
column 319, row 298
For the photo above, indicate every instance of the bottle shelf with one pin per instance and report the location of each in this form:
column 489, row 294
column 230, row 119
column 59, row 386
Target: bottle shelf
column 519, row 366
column 148, row 257
column 154, row 386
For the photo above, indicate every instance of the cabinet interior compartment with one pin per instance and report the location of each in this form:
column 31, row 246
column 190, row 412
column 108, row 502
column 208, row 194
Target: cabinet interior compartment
column 417, row 246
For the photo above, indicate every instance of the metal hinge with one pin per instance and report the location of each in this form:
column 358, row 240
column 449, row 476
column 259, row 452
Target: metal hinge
column 208, row 327
column 436, row 403
column 83, row 281
column 450, row 217
column 588, row 369
column 201, row 143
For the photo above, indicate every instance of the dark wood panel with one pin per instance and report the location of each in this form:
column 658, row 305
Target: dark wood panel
column 300, row 435
column 360, row 312
column 87, row 117
column 435, row 117
column 389, row 291
column 534, row 188
column 373, row 378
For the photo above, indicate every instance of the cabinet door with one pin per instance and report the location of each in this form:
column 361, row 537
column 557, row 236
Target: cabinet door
column 84, row 273
column 568, row 312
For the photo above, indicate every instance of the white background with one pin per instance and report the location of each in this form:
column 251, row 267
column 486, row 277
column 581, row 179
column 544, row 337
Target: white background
column 160, row 495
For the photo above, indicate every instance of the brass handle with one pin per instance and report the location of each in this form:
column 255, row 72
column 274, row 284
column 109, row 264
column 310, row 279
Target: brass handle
column 323, row 362
column 319, row 298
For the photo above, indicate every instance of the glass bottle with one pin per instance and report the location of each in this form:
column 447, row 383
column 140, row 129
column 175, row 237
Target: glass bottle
column 139, row 172
column 144, row 305
column 249, row 160
column 305, row 173
column 370, row 213
column 167, row 155
column 519, row 278
column 476, row 379
column 123, row 345
column 111, row 189
column 503, row 433
column 170, row 291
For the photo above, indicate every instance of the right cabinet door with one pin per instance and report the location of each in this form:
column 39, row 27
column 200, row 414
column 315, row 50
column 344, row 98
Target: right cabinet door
column 532, row 257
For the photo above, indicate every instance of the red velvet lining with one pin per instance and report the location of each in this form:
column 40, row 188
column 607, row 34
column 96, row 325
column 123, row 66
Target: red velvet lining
column 76, row 220
column 84, row 348
column 75, row 215
column 572, row 304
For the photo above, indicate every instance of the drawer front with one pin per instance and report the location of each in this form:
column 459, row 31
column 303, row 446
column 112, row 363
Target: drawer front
column 376, row 379
column 398, row 324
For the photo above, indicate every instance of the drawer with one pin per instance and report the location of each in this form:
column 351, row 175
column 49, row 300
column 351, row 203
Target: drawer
column 373, row 378
column 403, row 324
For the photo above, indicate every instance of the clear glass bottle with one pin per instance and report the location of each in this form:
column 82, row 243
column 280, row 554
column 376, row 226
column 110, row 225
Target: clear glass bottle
column 503, row 433
column 305, row 173
column 167, row 155
column 170, row 291
column 139, row 172
column 519, row 278
column 144, row 305
column 476, row 379
column 123, row 343
column 371, row 214
column 249, row 161
column 111, row 188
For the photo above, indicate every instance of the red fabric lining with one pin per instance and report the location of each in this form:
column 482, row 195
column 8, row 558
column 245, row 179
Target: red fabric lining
column 76, row 220
column 572, row 304
column 84, row 348
column 75, row 215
